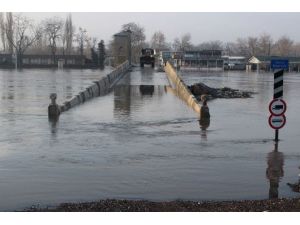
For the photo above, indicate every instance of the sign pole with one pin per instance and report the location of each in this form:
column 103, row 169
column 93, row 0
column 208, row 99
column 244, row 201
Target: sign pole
column 278, row 92
column 276, row 135
column 277, row 107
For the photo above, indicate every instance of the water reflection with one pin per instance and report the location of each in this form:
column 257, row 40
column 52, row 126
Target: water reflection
column 147, row 73
column 129, row 97
column 204, row 124
column 147, row 90
column 53, row 122
column 122, row 99
column 274, row 172
column 295, row 187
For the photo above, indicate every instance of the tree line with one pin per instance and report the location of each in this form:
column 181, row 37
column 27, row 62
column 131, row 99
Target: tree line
column 262, row 44
column 20, row 34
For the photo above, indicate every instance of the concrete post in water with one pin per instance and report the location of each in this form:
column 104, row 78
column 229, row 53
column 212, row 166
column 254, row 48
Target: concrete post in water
column 60, row 64
column 53, row 108
column 204, row 114
column 204, row 117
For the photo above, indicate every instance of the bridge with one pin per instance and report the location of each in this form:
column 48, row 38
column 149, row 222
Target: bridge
column 107, row 83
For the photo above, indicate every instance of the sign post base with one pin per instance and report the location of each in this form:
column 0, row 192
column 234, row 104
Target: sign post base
column 276, row 135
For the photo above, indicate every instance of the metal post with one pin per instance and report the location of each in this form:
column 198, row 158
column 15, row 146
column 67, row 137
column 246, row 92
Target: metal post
column 276, row 147
column 276, row 135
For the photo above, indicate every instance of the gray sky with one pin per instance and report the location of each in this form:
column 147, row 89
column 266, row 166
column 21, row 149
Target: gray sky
column 202, row 26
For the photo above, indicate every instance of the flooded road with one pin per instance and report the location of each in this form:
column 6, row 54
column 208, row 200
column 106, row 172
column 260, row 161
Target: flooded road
column 142, row 142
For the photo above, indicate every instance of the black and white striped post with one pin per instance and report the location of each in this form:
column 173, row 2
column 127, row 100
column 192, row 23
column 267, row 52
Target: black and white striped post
column 278, row 92
column 278, row 84
column 278, row 65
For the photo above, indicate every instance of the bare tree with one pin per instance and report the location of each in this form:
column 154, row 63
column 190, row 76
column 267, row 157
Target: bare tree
column 283, row 46
column 23, row 36
column 296, row 49
column 9, row 31
column 252, row 45
column 230, row 48
column 53, row 30
column 186, row 42
column 69, row 31
column 183, row 44
column 176, row 44
column 88, row 46
column 211, row 45
column 94, row 41
column 39, row 46
column 82, row 38
column 265, row 44
column 137, row 33
column 242, row 47
column 137, row 39
column 216, row 45
column 2, row 31
column 158, row 41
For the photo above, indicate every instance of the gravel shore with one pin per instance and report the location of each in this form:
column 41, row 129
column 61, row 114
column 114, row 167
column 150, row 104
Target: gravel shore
column 111, row 205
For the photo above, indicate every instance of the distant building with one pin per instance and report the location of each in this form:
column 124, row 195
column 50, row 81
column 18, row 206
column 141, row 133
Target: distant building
column 122, row 47
column 258, row 63
column 234, row 62
column 165, row 56
column 202, row 60
column 195, row 60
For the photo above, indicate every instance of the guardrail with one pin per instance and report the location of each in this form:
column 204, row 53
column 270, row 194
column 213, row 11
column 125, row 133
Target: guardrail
column 182, row 91
column 100, row 87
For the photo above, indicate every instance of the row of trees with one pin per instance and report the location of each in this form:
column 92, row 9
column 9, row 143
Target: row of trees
column 53, row 35
column 57, row 36
column 263, row 44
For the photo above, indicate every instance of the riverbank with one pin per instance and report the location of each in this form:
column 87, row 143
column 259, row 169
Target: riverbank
column 111, row 205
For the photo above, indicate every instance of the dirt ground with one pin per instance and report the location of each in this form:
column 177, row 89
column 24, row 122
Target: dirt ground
column 111, row 205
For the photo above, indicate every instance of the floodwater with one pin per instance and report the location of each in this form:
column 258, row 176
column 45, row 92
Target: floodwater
column 141, row 142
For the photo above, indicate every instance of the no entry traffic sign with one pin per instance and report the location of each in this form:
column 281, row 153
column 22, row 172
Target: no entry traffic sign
column 277, row 122
column 277, row 107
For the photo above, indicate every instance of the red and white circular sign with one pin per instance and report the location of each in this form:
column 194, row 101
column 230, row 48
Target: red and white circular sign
column 277, row 107
column 277, row 122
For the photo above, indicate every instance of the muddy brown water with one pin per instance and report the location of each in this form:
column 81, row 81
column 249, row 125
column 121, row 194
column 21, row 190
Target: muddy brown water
column 142, row 142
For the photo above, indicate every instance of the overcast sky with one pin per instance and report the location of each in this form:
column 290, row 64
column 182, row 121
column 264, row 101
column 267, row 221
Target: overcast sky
column 202, row 26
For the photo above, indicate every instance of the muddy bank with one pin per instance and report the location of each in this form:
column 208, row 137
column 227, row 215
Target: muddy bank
column 110, row 205
column 199, row 89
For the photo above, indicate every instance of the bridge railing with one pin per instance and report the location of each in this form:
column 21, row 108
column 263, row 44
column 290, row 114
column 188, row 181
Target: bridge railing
column 181, row 90
column 100, row 87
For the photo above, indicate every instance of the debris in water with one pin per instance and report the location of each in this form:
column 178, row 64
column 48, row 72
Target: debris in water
column 199, row 89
